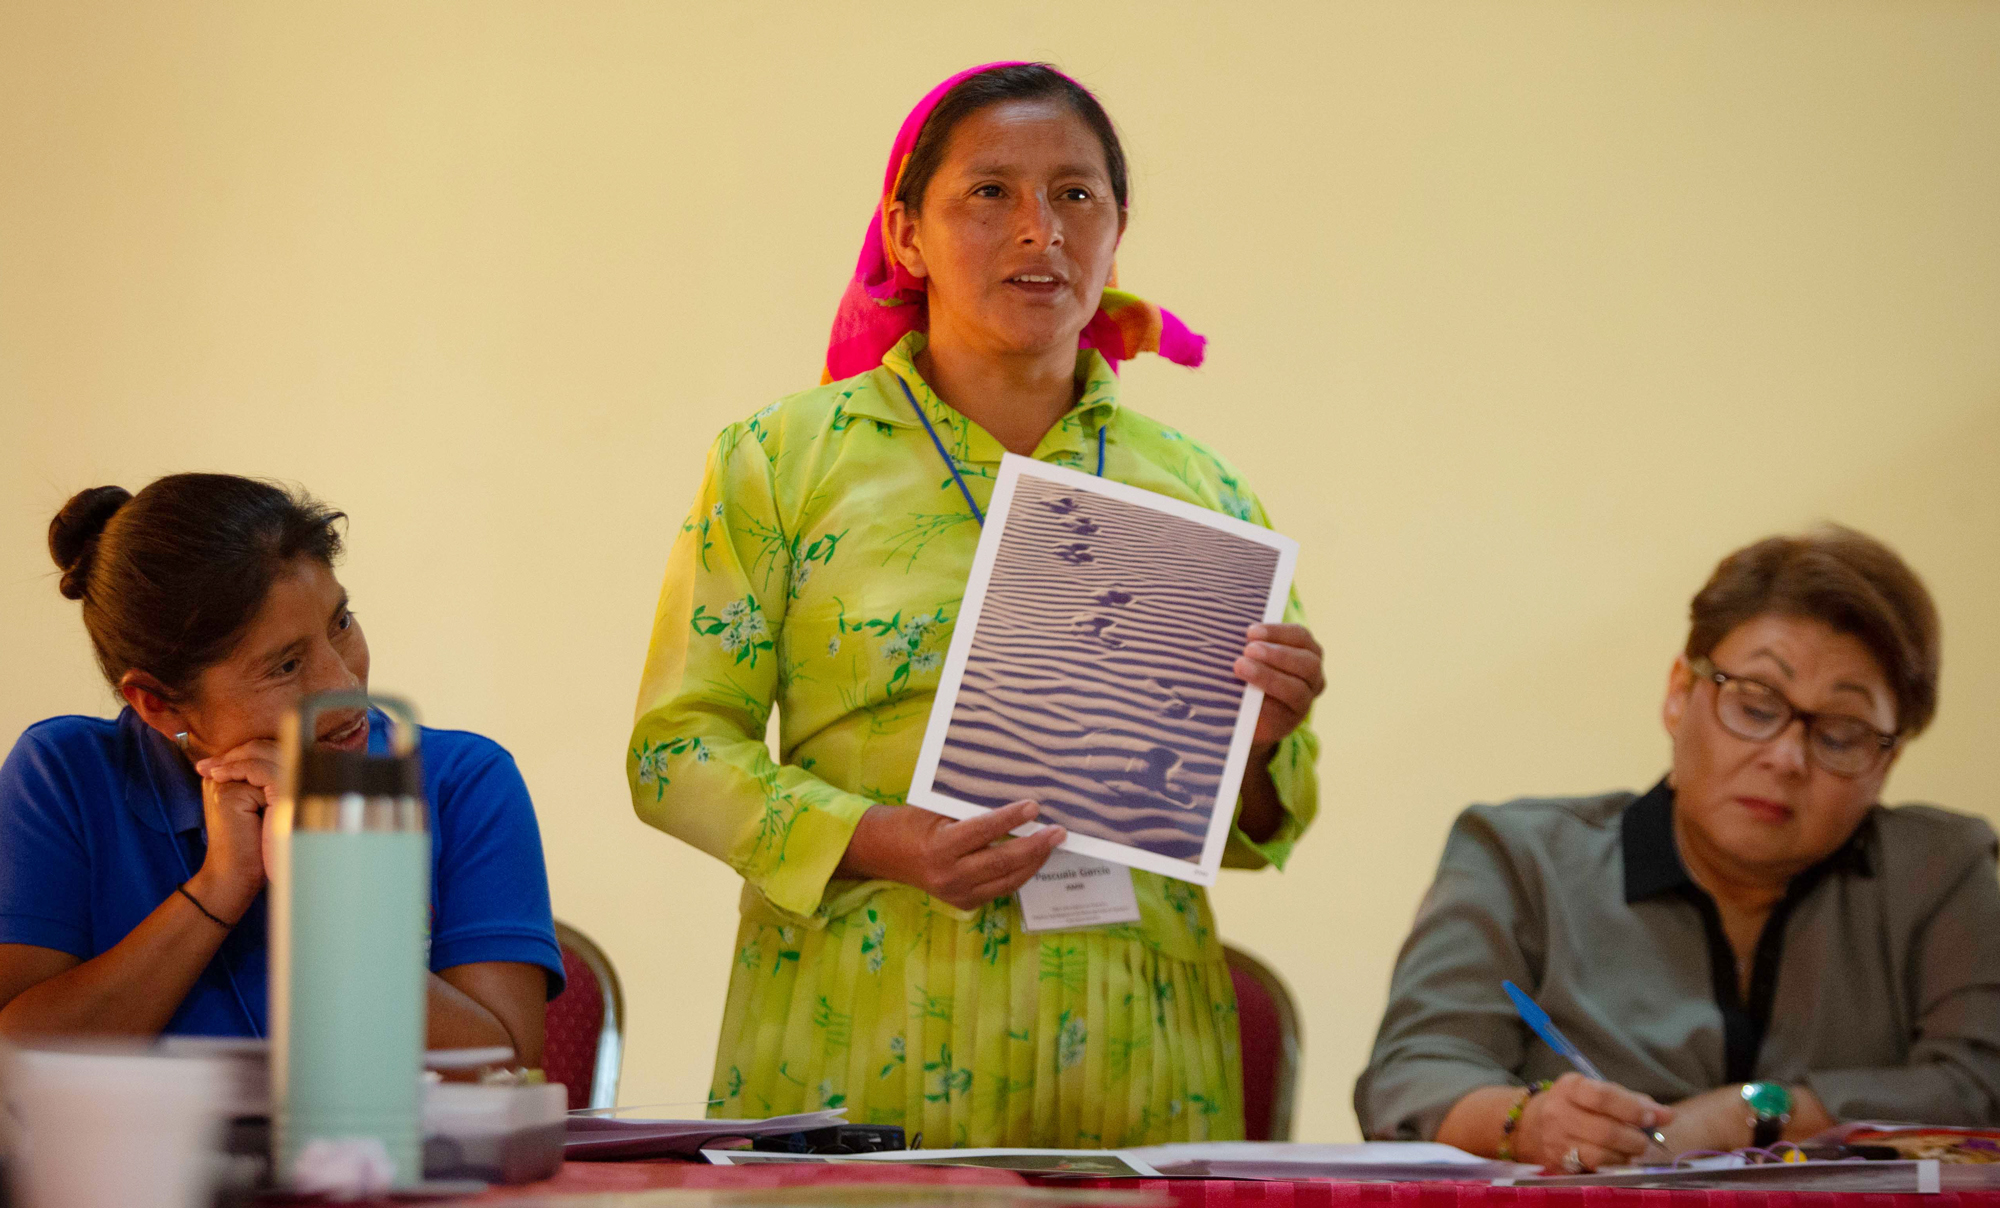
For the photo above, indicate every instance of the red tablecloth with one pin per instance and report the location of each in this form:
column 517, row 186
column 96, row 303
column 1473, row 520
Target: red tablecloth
column 584, row 1177
column 580, row 1177
column 1312, row 1193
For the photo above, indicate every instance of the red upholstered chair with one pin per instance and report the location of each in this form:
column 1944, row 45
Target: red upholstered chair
column 1268, row 1024
column 586, row 1023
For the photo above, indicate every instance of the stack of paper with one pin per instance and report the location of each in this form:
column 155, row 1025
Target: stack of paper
column 592, row 1138
column 1390, row 1161
column 1375, row 1161
column 1048, row 1163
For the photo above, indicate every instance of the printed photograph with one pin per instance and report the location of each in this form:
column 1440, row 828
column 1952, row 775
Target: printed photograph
column 1098, row 680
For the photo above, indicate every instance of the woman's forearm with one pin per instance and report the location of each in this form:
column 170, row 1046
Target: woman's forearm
column 1809, row 1116
column 1259, row 812
column 878, row 848
column 133, row 989
column 454, row 1019
column 1474, row 1123
column 486, row 1005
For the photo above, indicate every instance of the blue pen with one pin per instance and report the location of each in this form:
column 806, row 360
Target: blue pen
column 1552, row 1036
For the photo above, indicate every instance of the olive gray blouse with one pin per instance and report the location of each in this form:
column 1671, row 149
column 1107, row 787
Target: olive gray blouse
column 1876, row 981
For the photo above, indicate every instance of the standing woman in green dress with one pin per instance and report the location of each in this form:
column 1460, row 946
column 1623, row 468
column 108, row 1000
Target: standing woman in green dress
column 881, row 963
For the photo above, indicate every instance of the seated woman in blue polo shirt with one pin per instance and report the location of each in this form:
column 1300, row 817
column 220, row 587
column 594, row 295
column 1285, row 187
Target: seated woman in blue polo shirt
column 131, row 851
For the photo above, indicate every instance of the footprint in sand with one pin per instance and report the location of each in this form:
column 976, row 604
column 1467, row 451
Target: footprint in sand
column 1097, row 627
column 1151, row 775
column 1113, row 598
column 1063, row 506
column 1074, row 554
column 1175, row 705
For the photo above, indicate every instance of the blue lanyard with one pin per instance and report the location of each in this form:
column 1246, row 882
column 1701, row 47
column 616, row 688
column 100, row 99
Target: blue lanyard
column 951, row 463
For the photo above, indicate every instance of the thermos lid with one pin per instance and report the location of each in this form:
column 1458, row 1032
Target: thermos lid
column 317, row 771
column 329, row 773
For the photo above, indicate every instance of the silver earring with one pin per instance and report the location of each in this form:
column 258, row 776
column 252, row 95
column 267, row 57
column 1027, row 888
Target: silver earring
column 181, row 741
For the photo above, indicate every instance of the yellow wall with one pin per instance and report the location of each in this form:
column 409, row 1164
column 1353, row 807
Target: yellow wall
column 1522, row 315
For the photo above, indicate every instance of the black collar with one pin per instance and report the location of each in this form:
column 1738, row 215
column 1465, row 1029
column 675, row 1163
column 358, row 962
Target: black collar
column 1653, row 860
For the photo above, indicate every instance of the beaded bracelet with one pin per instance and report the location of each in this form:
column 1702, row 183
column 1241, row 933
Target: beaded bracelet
column 1514, row 1117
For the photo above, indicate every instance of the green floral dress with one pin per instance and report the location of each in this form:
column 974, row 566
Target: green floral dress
column 820, row 573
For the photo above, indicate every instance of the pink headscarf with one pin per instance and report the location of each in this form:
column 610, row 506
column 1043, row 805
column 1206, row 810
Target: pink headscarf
column 884, row 303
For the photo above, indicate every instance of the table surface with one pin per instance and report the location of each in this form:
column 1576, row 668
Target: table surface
column 1325, row 1193
column 577, row 1178
column 586, row 1177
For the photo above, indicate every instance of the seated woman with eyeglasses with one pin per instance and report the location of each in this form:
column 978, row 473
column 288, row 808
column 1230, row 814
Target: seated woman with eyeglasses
column 1752, row 950
column 131, row 850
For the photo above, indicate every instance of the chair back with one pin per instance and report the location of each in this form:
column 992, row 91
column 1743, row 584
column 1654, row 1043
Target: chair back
column 1267, row 1024
column 586, row 1023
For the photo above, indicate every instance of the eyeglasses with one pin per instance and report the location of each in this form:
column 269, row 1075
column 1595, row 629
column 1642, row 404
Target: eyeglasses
column 1754, row 710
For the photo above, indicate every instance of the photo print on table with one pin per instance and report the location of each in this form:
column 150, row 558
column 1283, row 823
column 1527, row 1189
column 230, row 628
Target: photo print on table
column 1092, row 668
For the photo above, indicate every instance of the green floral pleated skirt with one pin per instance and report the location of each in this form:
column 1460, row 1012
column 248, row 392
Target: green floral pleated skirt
column 973, row 1032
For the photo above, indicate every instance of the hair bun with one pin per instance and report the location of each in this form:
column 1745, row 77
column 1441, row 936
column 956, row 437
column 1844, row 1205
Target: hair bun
column 74, row 532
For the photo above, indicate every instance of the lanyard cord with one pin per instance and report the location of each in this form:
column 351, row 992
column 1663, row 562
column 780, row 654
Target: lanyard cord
column 951, row 463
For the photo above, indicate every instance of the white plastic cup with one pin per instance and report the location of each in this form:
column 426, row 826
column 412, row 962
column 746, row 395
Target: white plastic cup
column 111, row 1129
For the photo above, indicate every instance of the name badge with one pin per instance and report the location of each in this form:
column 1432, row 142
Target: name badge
column 1074, row 891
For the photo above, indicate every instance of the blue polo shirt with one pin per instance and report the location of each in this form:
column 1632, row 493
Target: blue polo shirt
column 101, row 820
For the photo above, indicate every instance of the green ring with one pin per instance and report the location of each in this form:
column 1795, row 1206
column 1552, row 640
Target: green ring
column 1768, row 1100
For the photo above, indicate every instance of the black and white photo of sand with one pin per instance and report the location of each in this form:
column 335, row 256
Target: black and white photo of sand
column 1098, row 679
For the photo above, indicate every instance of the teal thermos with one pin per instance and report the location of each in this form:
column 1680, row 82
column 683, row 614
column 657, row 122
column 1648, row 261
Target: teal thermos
column 350, row 856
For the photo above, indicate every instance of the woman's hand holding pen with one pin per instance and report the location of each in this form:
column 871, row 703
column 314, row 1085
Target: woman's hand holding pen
column 1582, row 1124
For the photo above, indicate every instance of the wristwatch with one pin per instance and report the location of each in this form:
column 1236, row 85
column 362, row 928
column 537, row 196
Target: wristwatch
column 1770, row 1105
